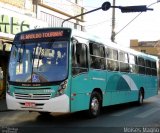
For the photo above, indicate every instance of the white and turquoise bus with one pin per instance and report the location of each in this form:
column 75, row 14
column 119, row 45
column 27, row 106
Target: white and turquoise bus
column 62, row 70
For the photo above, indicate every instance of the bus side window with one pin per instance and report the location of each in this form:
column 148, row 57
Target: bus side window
column 123, row 58
column 133, row 62
column 79, row 58
column 112, row 57
column 97, row 56
column 74, row 60
column 141, row 63
column 148, row 67
column 81, row 55
column 154, row 68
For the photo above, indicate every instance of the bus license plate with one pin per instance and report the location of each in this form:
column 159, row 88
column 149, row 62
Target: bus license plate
column 29, row 104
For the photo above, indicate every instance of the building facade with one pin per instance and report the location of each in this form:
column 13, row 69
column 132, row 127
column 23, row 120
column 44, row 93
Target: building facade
column 21, row 15
column 148, row 47
column 55, row 12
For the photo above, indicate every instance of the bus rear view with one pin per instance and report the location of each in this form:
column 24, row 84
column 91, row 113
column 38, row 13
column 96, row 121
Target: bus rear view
column 38, row 71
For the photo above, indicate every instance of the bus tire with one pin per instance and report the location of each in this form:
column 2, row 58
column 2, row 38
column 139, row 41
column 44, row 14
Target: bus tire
column 95, row 105
column 140, row 97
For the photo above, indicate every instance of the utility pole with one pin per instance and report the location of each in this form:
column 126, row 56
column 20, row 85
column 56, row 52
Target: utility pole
column 113, row 22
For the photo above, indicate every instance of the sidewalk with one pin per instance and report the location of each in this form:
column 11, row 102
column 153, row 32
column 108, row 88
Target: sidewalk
column 3, row 106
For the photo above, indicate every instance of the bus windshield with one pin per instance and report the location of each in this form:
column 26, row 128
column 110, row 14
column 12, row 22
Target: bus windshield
column 39, row 61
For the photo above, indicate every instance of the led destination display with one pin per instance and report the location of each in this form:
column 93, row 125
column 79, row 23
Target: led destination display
column 41, row 35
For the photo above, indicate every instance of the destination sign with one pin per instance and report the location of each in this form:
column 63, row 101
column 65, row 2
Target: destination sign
column 39, row 35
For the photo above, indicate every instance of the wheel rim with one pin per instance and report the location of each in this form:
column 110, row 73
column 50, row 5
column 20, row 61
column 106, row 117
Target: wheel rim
column 94, row 105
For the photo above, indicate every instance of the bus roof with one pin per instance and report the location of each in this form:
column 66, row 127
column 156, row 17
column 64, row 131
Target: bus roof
column 107, row 42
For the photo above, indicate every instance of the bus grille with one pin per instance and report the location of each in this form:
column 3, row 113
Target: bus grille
column 32, row 96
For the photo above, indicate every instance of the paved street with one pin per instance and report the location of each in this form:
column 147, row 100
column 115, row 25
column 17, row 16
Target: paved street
column 122, row 118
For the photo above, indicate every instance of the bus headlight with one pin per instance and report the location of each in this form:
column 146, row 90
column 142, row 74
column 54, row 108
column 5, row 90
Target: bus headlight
column 61, row 88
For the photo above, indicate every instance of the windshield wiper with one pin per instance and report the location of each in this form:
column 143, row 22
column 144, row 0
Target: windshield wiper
column 40, row 57
column 33, row 57
column 20, row 54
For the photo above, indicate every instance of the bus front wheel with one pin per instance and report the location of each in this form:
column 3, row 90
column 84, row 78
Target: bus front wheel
column 95, row 105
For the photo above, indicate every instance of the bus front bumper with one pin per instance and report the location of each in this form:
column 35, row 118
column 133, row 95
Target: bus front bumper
column 57, row 104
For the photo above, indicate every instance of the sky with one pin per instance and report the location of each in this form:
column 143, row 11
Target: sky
column 144, row 28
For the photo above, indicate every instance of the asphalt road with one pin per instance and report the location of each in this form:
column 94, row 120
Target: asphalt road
column 125, row 118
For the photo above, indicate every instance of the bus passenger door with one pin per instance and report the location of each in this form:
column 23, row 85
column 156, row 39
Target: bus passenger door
column 80, row 78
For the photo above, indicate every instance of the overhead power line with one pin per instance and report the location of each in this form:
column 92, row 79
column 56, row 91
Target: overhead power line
column 91, row 25
column 134, row 18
